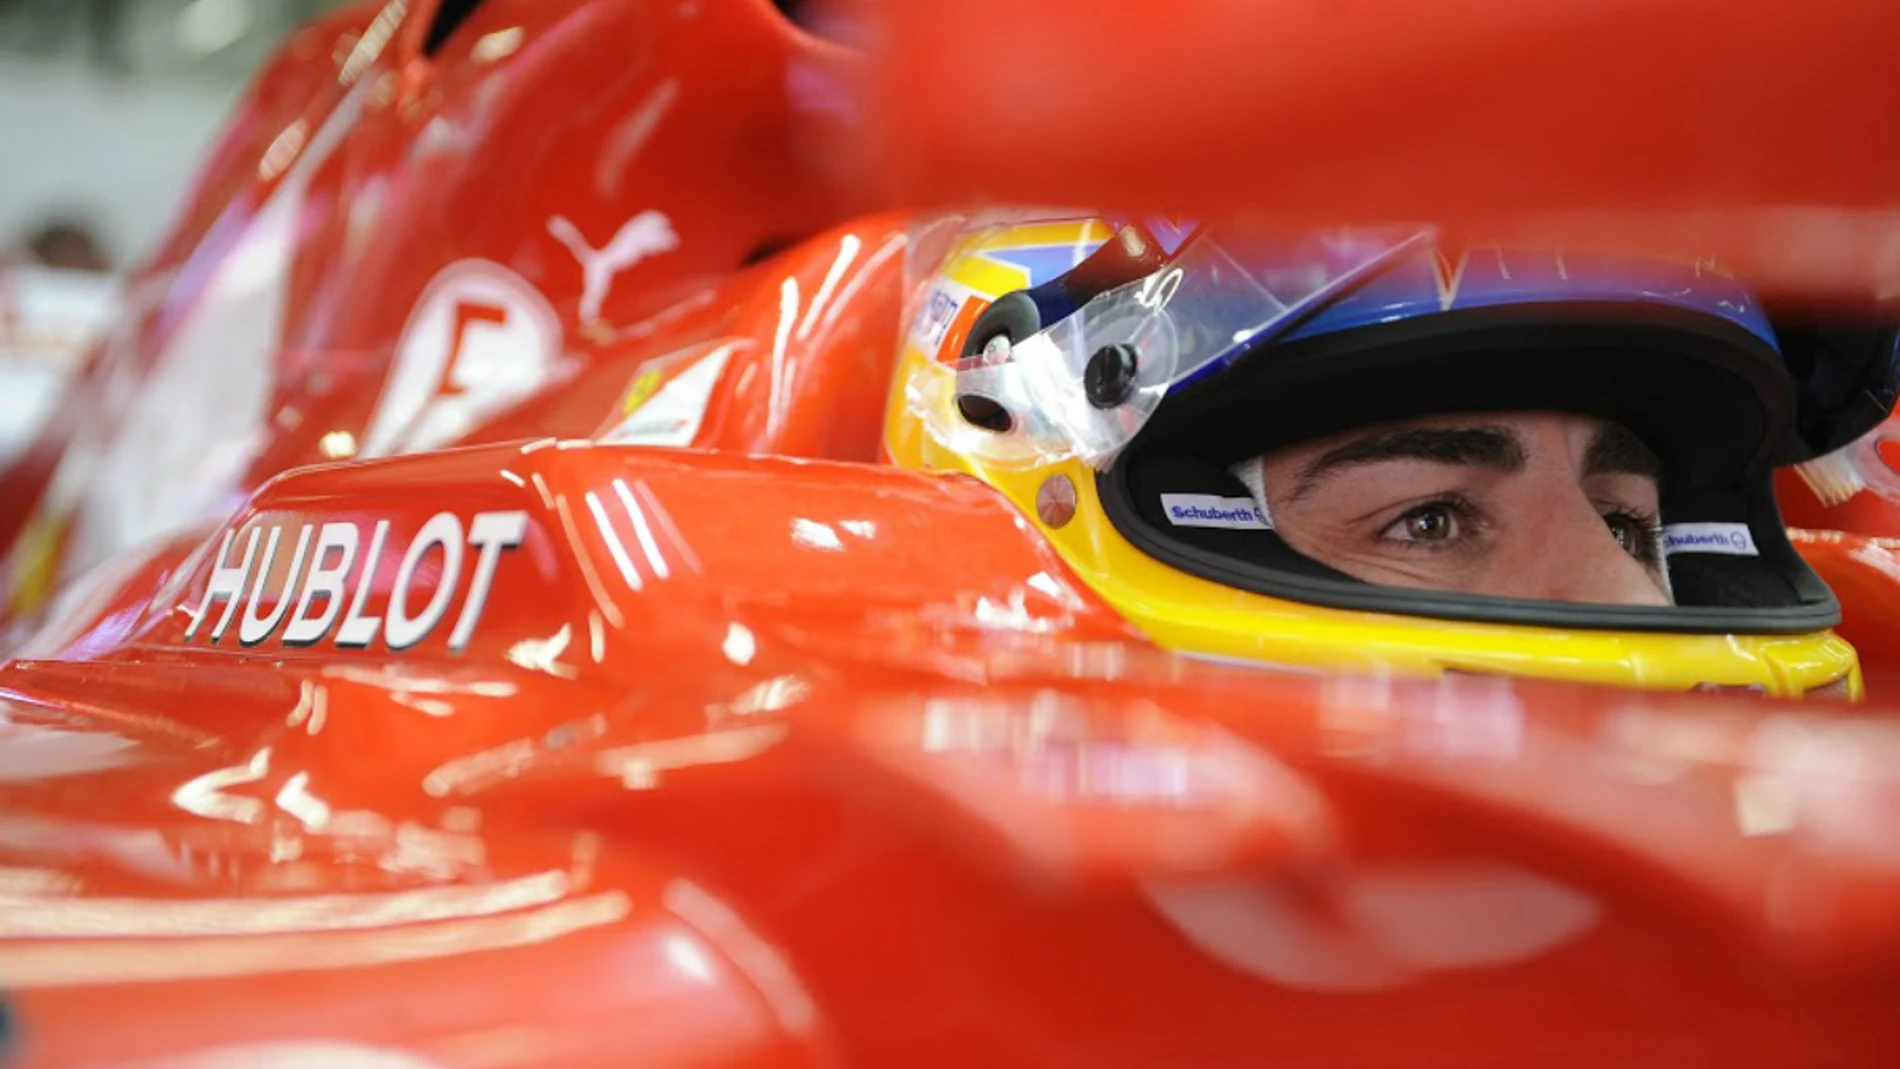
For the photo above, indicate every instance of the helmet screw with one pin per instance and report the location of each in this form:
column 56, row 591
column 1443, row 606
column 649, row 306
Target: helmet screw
column 1055, row 501
column 1110, row 376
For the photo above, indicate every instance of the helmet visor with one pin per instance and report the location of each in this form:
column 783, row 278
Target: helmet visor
column 1085, row 384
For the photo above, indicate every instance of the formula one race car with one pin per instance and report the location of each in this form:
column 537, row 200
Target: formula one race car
column 551, row 570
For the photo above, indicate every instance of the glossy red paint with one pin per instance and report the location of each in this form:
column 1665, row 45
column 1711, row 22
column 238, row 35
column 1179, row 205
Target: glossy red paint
column 808, row 791
column 1844, row 512
column 555, row 751
column 1857, row 490
column 1583, row 124
column 658, row 145
column 806, row 342
column 1862, row 570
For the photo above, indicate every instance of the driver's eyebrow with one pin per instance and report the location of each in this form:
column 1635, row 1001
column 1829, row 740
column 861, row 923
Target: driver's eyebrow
column 1616, row 451
column 1495, row 448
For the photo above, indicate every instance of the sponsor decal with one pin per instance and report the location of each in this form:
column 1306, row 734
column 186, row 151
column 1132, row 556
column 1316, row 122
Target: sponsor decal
column 668, row 401
column 644, row 387
column 951, row 348
column 1211, row 510
column 1733, row 539
column 938, row 315
column 317, row 604
column 1448, row 272
column 642, row 237
column 479, row 339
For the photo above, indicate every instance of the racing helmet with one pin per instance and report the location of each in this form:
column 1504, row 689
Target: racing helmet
column 1112, row 378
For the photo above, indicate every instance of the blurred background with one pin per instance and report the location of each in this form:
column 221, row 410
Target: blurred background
column 105, row 108
column 105, row 105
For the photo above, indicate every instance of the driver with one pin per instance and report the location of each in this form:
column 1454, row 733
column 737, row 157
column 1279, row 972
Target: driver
column 1540, row 505
column 1371, row 449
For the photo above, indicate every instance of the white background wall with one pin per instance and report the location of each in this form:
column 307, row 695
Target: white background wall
column 117, row 152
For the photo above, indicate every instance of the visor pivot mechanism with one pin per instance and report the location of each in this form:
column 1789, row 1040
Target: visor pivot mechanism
column 1055, row 501
column 985, row 412
column 1110, row 375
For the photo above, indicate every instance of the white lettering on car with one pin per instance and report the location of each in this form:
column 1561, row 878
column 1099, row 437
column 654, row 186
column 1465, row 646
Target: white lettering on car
column 359, row 630
column 226, row 584
column 402, row 630
column 241, row 578
column 325, row 581
column 253, row 629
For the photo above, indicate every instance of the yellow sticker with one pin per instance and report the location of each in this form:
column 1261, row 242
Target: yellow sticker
column 642, row 390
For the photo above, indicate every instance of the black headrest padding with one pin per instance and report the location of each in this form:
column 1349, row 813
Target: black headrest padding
column 1846, row 366
column 1149, row 479
column 1757, row 582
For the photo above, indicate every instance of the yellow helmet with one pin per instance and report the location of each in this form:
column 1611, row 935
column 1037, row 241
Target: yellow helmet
column 1111, row 378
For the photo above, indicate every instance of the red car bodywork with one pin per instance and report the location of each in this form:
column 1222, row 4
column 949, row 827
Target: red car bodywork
column 1578, row 123
column 547, row 751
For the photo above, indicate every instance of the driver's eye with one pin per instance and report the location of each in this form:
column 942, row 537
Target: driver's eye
column 1432, row 525
column 1634, row 533
column 1624, row 534
column 1434, row 522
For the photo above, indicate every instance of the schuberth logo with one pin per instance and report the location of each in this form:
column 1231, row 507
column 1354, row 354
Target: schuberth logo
column 938, row 315
column 1191, row 512
column 330, row 561
column 1732, row 539
column 1212, row 510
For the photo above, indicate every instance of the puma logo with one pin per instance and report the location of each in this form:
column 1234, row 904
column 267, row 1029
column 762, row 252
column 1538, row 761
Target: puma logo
column 647, row 234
